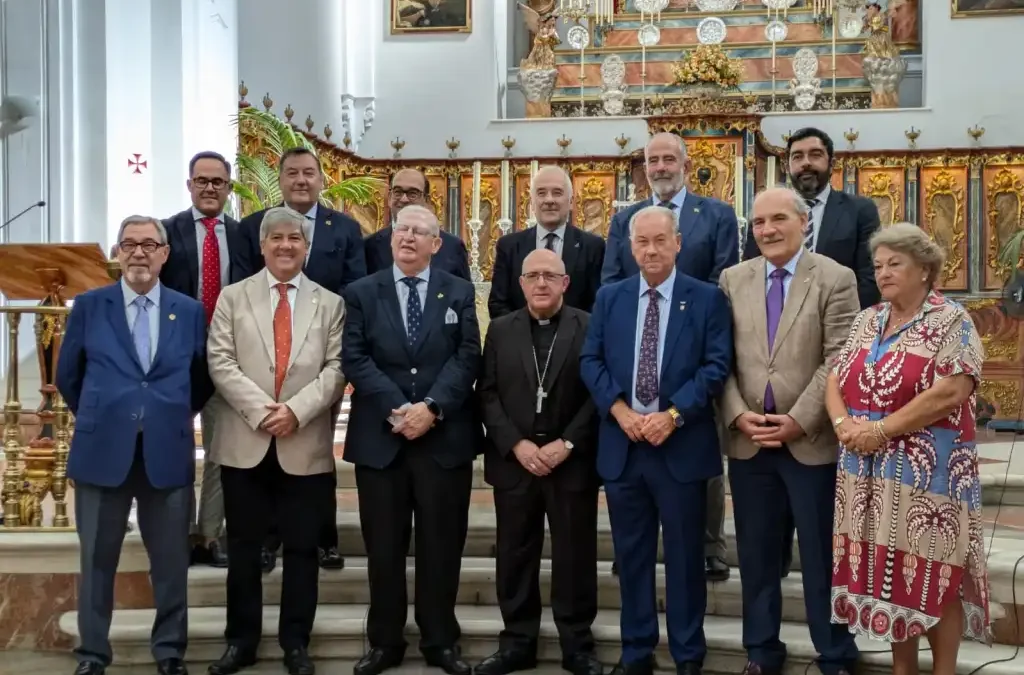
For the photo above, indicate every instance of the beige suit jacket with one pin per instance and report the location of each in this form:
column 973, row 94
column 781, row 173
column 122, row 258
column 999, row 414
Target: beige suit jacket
column 819, row 308
column 240, row 351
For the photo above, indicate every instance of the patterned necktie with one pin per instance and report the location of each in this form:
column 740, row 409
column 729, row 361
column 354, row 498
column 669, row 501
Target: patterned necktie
column 809, row 235
column 549, row 241
column 647, row 366
column 413, row 309
column 282, row 337
column 211, row 268
column 773, row 304
column 140, row 332
column 671, row 206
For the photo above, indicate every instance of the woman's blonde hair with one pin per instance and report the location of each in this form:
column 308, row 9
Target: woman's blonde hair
column 911, row 241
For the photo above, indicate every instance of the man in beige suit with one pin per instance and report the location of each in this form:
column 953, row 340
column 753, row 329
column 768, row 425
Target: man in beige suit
column 792, row 310
column 275, row 357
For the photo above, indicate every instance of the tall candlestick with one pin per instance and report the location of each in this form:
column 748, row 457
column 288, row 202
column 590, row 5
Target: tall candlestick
column 475, row 215
column 506, row 195
column 738, row 188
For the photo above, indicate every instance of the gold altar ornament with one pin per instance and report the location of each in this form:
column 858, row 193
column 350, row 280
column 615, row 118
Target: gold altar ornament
column 707, row 65
column 851, row 137
column 912, row 135
column 398, row 144
column 622, row 141
column 508, row 143
column 564, row 144
column 268, row 102
column 976, row 132
column 289, row 113
column 453, row 147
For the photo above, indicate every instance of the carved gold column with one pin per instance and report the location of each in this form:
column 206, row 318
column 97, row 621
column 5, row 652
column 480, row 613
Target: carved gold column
column 62, row 434
column 12, row 428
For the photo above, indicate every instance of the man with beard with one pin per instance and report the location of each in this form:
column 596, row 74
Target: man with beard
column 839, row 227
column 581, row 252
column 410, row 186
column 710, row 243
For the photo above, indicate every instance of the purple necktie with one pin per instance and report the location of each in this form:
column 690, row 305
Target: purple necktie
column 773, row 305
column 647, row 365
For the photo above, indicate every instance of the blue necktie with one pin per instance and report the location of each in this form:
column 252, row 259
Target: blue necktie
column 140, row 331
column 413, row 309
column 647, row 365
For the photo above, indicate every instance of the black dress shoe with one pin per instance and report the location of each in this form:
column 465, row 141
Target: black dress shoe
column 688, row 668
column 268, row 560
column 582, row 664
column 715, row 569
column 449, row 660
column 171, row 667
column 377, row 660
column 232, row 661
column 90, row 668
column 753, row 668
column 211, row 554
column 505, row 661
column 330, row 559
column 615, row 569
column 297, row 662
column 641, row 667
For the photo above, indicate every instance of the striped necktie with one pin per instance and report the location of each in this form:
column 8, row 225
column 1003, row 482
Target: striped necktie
column 809, row 235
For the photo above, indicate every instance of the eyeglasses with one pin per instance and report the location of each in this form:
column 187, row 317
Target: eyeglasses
column 549, row 277
column 215, row 183
column 402, row 230
column 148, row 246
column 412, row 194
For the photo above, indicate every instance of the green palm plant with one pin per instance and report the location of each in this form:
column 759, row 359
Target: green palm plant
column 1012, row 249
column 257, row 185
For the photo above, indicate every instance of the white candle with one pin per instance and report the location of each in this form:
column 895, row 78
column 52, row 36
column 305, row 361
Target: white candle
column 738, row 189
column 505, row 193
column 534, row 168
column 772, row 173
column 475, row 215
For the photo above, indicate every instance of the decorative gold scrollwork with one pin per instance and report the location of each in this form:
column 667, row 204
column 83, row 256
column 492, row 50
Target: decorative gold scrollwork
column 594, row 207
column 1005, row 394
column 944, row 215
column 881, row 190
column 1006, row 189
column 717, row 158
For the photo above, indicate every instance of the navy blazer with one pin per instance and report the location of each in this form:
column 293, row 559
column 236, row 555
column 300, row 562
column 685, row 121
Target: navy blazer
column 696, row 362
column 711, row 240
column 113, row 399
column 337, row 257
column 452, row 257
column 386, row 371
column 181, row 271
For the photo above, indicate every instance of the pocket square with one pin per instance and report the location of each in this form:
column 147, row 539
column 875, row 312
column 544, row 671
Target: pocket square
column 450, row 316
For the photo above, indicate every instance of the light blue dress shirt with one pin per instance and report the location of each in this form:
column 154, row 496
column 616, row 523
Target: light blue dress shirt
column 664, row 302
column 131, row 311
column 787, row 280
column 403, row 291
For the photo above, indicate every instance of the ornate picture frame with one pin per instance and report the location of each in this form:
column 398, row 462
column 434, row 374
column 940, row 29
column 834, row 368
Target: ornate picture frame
column 431, row 16
column 969, row 9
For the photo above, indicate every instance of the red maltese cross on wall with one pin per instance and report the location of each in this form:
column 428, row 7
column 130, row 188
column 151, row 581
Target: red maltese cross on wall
column 137, row 164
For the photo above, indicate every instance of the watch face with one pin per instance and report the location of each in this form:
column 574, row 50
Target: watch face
column 679, row 421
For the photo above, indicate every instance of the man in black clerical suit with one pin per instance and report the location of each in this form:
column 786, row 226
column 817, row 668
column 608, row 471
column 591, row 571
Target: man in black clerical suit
column 206, row 253
column 411, row 350
column 409, row 186
column 335, row 258
column 540, row 457
column 839, row 227
column 582, row 252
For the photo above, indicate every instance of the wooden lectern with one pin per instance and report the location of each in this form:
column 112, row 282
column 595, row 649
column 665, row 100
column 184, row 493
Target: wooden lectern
column 50, row 274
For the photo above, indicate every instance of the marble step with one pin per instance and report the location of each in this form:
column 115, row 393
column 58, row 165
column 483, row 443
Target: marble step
column 339, row 634
column 207, row 587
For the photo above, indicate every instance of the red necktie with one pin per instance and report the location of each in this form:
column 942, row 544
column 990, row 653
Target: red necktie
column 282, row 337
column 211, row 267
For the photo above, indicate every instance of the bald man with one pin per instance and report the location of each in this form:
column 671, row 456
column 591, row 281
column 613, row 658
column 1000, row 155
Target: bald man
column 580, row 251
column 409, row 187
column 542, row 428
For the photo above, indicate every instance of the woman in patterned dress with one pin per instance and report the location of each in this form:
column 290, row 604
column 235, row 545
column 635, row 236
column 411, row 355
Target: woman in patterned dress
column 908, row 547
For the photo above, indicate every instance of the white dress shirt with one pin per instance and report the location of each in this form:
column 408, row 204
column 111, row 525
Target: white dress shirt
column 275, row 295
column 664, row 302
column 403, row 291
column 559, row 232
column 220, row 230
column 131, row 311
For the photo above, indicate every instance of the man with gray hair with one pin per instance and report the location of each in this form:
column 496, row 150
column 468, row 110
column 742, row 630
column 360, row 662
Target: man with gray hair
column 275, row 358
column 132, row 370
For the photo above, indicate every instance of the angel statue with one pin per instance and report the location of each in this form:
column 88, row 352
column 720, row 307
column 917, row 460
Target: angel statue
column 537, row 72
column 883, row 65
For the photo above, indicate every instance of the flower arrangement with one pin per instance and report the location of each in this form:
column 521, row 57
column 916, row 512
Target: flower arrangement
column 707, row 64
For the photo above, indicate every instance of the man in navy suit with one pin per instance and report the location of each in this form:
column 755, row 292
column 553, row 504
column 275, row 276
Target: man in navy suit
column 411, row 350
column 132, row 369
column 710, row 236
column 206, row 253
column 658, row 351
column 335, row 258
column 408, row 187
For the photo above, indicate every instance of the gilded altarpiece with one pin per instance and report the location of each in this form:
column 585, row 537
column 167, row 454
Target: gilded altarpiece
column 1003, row 217
column 886, row 187
column 521, row 190
column 943, row 214
column 714, row 166
column 490, row 213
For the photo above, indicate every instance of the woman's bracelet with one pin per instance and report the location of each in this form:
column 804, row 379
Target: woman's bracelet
column 880, row 432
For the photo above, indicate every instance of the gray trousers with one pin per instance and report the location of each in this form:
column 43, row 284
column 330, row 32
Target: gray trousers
column 208, row 519
column 714, row 535
column 101, row 517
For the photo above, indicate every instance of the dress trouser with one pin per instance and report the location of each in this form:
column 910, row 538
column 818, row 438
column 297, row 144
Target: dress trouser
column 209, row 517
column 101, row 518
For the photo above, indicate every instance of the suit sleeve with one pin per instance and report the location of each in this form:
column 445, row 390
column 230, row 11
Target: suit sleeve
column 71, row 360
column 462, row 256
column 750, row 249
column 593, row 368
column 498, row 302
column 582, row 428
column 500, row 429
column 695, row 397
column 327, row 389
column 840, row 310
column 727, row 243
column 868, row 223
column 594, row 271
column 353, row 267
column 242, row 394
column 454, row 384
column 611, row 267
column 242, row 259
column 358, row 366
column 732, row 403
column 199, row 370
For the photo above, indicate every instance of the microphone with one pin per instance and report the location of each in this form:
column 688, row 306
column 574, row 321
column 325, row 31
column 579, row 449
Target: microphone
column 38, row 204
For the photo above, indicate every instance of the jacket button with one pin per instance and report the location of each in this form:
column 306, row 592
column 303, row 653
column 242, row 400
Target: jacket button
column 271, row 368
column 134, row 416
column 413, row 371
column 145, row 384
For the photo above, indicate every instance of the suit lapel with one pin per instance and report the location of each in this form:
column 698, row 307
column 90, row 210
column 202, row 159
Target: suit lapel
column 187, row 231
column 570, row 248
column 119, row 320
column 236, row 243
column 307, row 299
column 830, row 218
column 323, row 242
column 389, row 297
column 754, row 295
column 689, row 214
column 678, row 313
column 257, row 290
column 798, row 290
column 168, row 321
column 436, row 302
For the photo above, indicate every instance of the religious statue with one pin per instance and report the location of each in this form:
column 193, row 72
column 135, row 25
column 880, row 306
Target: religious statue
column 537, row 72
column 883, row 65
column 613, row 84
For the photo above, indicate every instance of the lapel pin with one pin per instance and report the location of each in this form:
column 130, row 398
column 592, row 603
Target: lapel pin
column 682, row 305
column 171, row 317
column 328, row 223
column 696, row 210
column 440, row 295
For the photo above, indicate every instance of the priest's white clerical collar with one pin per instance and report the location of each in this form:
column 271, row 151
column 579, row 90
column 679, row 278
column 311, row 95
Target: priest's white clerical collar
column 543, row 322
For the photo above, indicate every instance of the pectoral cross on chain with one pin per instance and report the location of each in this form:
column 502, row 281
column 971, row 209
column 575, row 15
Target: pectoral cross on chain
column 541, row 395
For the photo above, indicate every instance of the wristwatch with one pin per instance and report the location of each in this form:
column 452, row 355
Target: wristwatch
column 837, row 421
column 434, row 408
column 677, row 417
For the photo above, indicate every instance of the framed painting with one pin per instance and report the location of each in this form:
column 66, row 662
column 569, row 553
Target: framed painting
column 962, row 9
column 431, row 16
